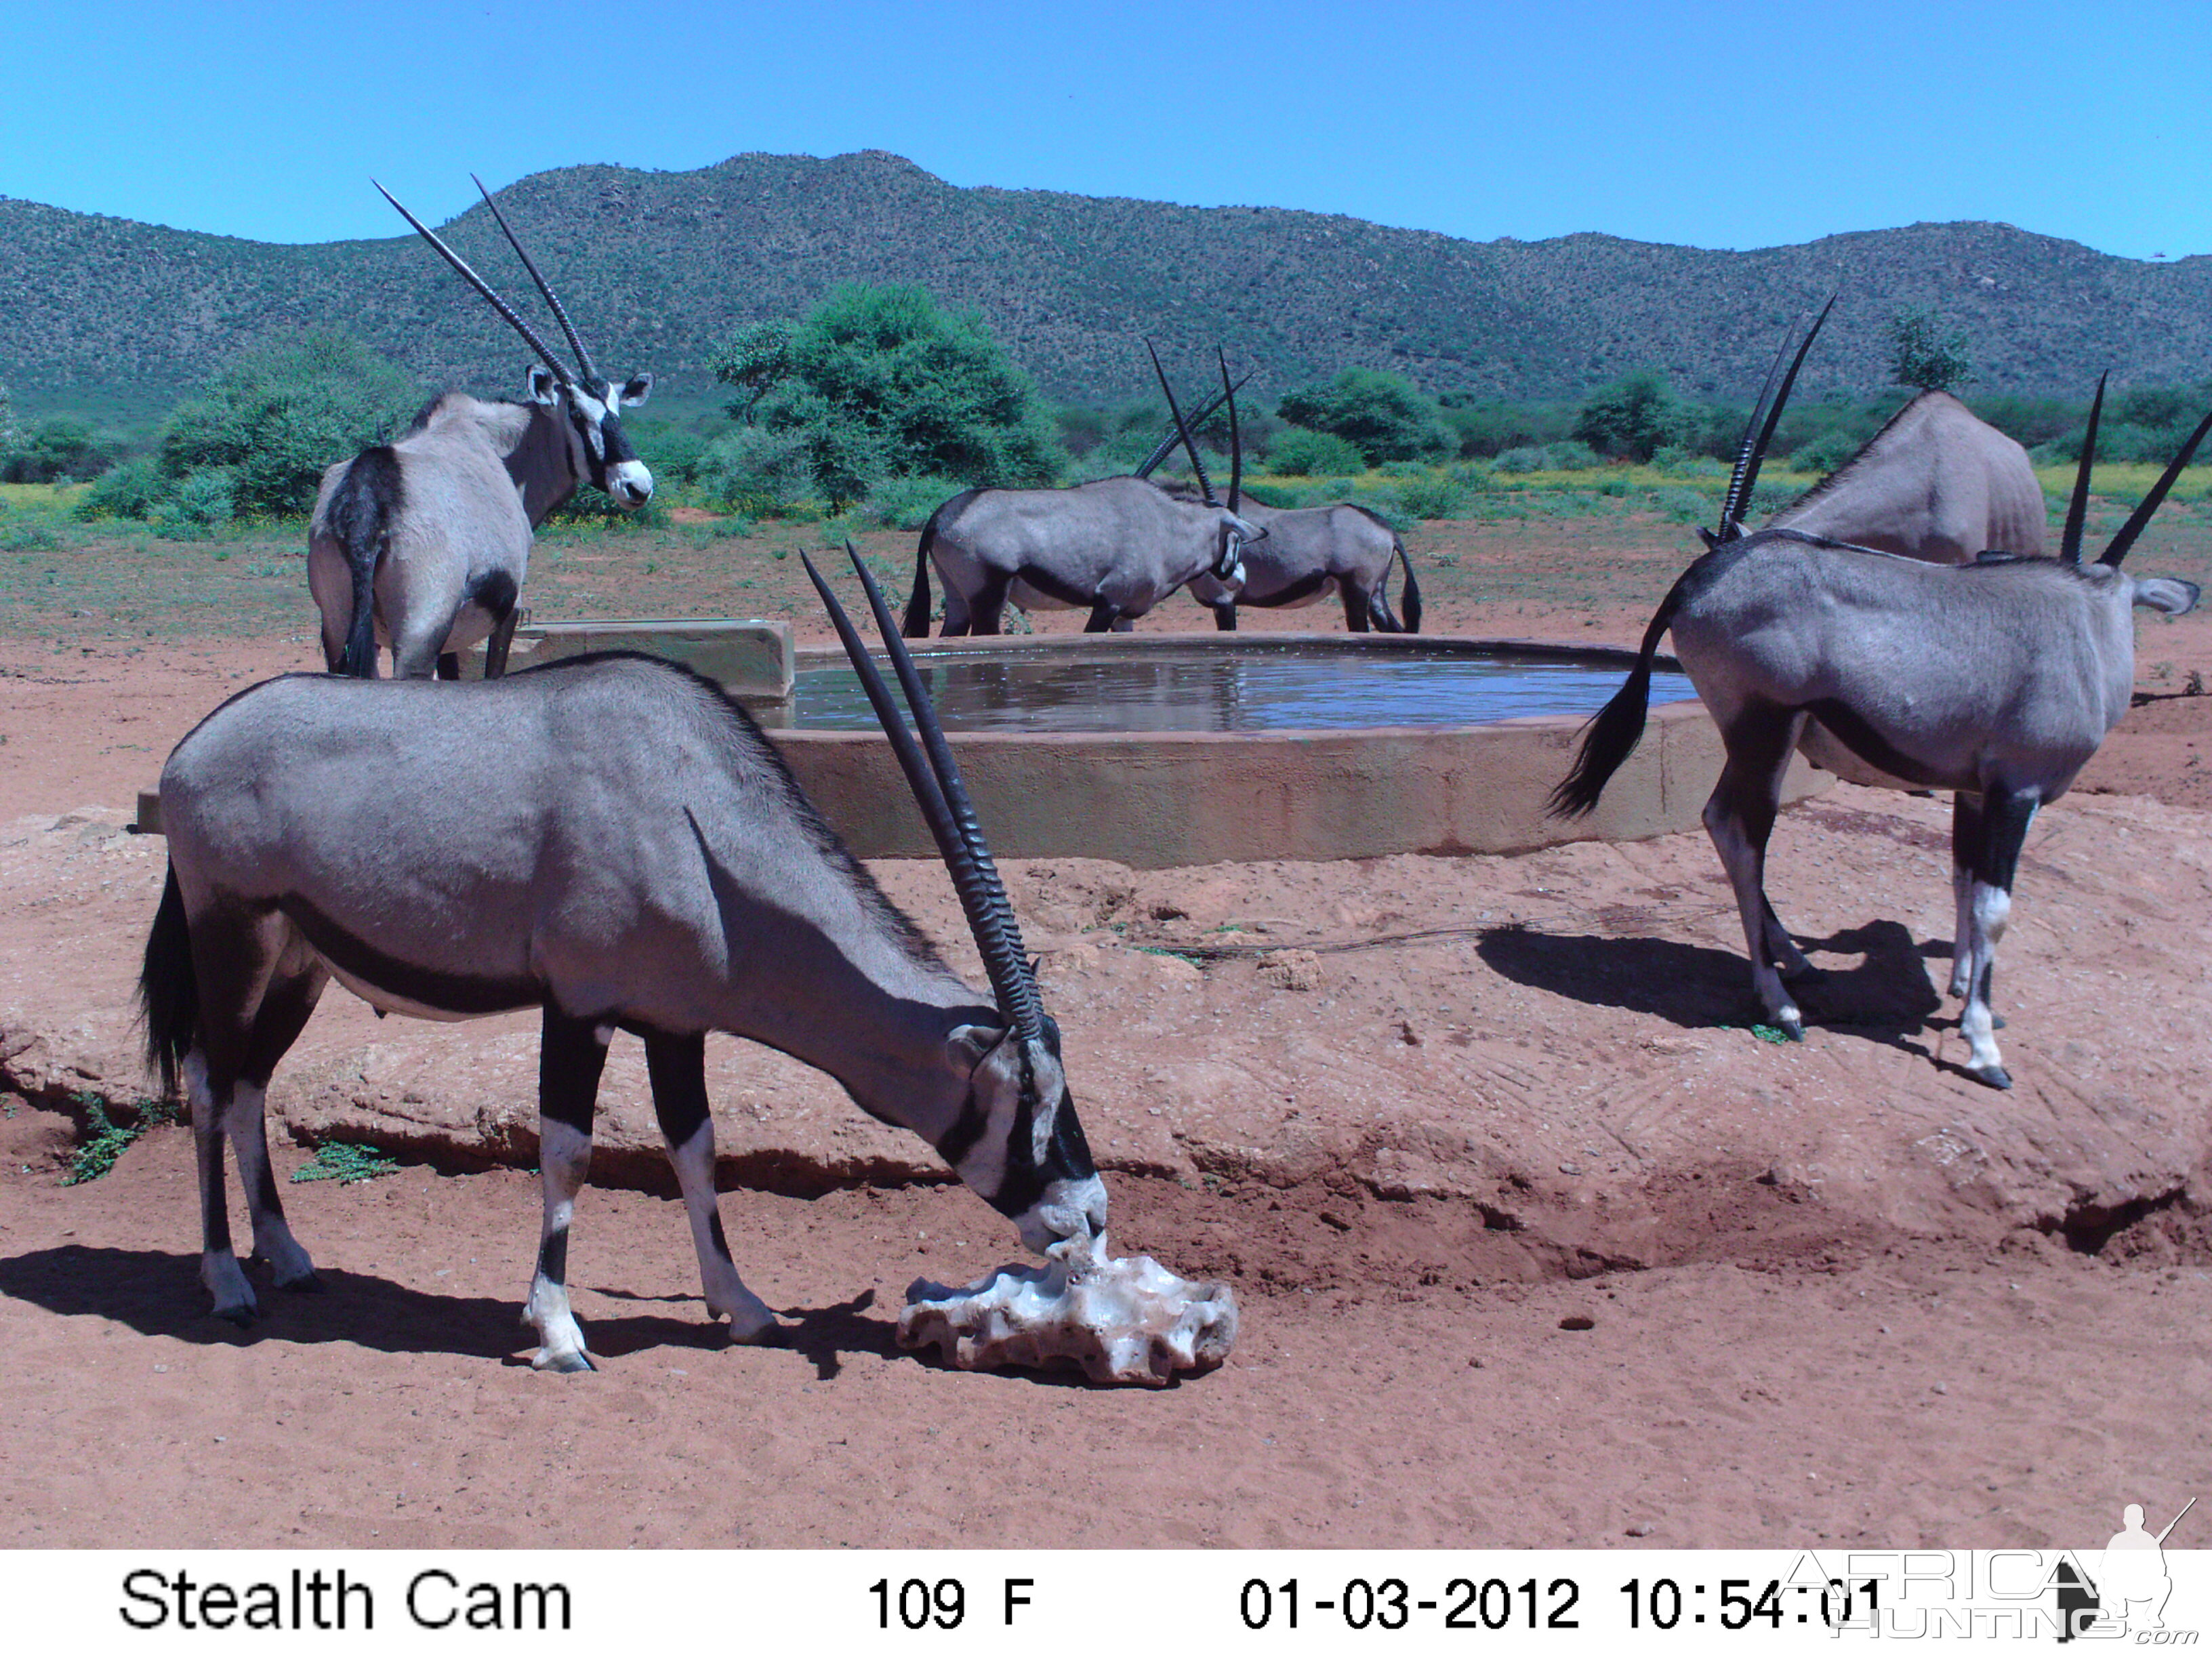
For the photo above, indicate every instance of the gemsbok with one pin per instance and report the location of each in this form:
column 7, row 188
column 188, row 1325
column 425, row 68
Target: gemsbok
column 422, row 544
column 1996, row 679
column 628, row 853
column 1115, row 547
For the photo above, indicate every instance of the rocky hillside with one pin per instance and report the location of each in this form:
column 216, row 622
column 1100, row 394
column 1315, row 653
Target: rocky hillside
column 657, row 266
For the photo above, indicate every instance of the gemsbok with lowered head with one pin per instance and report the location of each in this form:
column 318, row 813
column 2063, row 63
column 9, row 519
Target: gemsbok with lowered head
column 1996, row 679
column 1310, row 553
column 1115, row 547
column 630, row 853
column 422, row 544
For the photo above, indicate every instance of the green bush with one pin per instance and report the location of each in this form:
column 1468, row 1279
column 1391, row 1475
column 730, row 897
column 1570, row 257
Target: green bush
column 1922, row 357
column 61, row 450
column 883, row 383
column 1568, row 455
column 757, row 472
column 907, row 503
column 282, row 412
column 1440, row 494
column 126, row 491
column 1301, row 453
column 1638, row 415
column 1384, row 416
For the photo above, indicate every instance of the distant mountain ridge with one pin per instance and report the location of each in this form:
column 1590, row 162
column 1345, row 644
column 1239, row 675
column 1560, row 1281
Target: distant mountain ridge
column 656, row 267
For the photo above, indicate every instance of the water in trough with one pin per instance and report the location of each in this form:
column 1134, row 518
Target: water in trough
column 1257, row 686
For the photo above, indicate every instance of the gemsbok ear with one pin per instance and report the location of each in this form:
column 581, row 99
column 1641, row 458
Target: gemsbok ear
column 2168, row 594
column 541, row 388
column 635, row 390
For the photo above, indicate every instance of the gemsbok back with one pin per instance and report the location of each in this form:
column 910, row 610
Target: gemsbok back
column 630, row 853
column 1996, row 679
column 422, row 544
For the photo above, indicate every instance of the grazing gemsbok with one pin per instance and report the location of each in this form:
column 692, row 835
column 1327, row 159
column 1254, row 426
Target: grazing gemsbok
column 1310, row 552
column 1996, row 679
column 629, row 853
column 422, row 544
column 1116, row 547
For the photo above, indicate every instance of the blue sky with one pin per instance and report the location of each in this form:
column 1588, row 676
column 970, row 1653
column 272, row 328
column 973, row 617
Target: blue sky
column 1722, row 126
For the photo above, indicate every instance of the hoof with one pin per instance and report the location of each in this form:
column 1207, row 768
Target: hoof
column 307, row 1284
column 1792, row 1028
column 1996, row 1022
column 241, row 1317
column 1995, row 1076
column 766, row 1334
column 567, row 1364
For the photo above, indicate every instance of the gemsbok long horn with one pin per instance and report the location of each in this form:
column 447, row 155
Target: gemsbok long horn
column 1160, row 450
column 560, row 312
column 1235, row 440
column 489, row 293
column 1182, row 431
column 943, row 798
column 2077, row 510
column 1751, row 456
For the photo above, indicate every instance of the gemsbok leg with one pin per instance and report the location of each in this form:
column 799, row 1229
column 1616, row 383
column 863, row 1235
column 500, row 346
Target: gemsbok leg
column 678, row 1067
column 254, row 1000
column 1740, row 817
column 570, row 1057
column 2005, row 815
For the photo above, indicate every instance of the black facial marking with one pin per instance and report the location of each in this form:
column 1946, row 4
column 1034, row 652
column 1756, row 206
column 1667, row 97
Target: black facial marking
column 967, row 1129
column 1067, row 1158
column 427, row 988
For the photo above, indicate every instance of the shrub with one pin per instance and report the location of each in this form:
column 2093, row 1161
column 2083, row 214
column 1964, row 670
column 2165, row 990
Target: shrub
column 1438, row 495
column 283, row 411
column 907, row 503
column 755, row 472
column 1301, row 453
column 1638, row 415
column 1568, row 455
column 1920, row 357
column 55, row 450
column 879, row 383
column 1385, row 417
column 193, row 505
column 126, row 491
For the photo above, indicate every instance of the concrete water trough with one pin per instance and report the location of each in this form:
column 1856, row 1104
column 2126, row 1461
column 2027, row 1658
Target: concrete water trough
column 1160, row 749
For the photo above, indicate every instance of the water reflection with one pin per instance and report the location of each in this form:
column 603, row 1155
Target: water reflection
column 1212, row 690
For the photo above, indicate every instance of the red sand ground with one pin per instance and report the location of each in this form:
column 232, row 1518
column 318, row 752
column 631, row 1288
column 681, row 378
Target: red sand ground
column 1799, row 1373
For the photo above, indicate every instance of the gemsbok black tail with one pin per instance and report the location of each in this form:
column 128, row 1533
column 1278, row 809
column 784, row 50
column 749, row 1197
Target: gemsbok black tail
column 360, row 514
column 915, row 625
column 1612, row 734
column 1409, row 602
column 168, row 988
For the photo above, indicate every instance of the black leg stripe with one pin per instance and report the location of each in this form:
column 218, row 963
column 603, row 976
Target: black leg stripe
column 553, row 1256
column 570, row 1057
column 715, row 1231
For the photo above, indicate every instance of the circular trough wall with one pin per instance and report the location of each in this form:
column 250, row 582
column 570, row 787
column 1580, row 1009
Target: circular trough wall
column 1157, row 800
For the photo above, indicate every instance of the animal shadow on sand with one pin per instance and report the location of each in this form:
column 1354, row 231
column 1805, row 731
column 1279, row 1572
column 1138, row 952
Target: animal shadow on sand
column 1885, row 996
column 158, row 1293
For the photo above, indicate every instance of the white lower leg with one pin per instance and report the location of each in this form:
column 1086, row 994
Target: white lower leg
column 272, row 1239
column 1740, row 859
column 564, row 1157
column 750, row 1317
column 1990, row 908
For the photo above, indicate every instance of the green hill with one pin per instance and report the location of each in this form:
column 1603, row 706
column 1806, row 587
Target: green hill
column 657, row 266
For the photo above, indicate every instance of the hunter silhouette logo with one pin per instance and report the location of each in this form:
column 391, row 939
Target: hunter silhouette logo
column 2131, row 1585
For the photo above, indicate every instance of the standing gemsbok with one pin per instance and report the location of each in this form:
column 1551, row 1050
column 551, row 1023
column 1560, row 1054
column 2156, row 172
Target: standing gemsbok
column 630, row 855
column 1311, row 553
column 1996, row 679
column 422, row 544
column 1115, row 547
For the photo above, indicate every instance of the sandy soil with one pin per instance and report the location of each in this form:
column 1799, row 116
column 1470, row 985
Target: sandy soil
column 1664, row 1276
